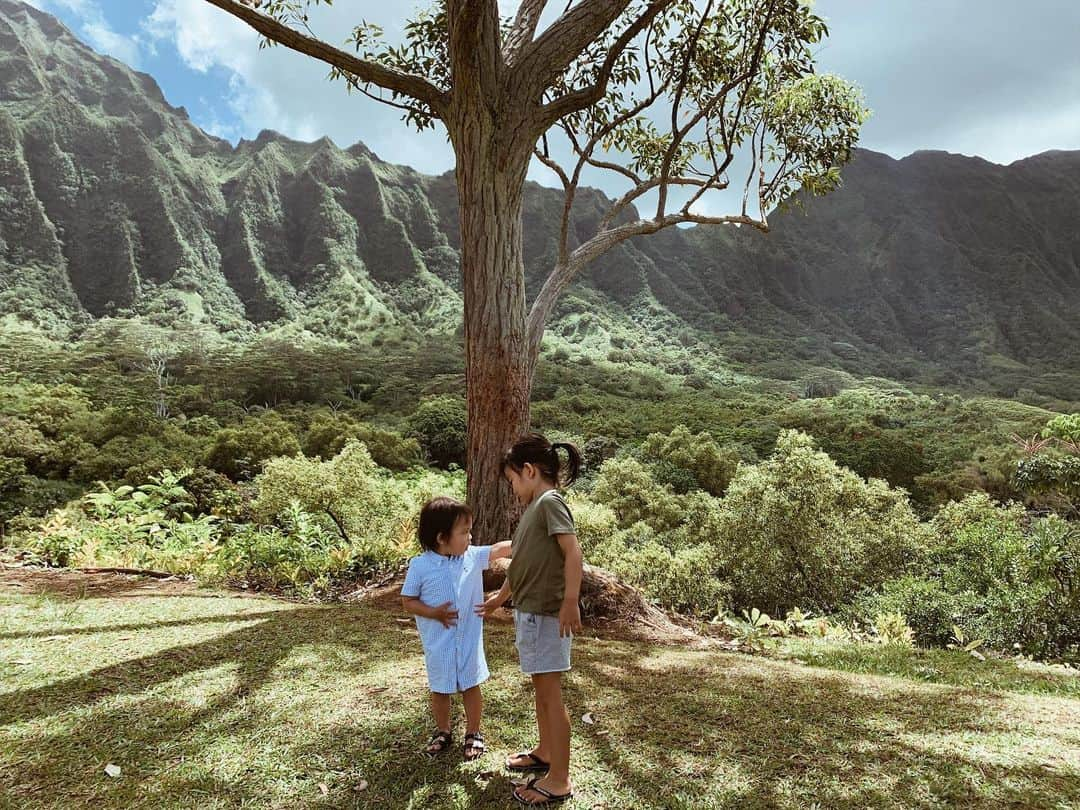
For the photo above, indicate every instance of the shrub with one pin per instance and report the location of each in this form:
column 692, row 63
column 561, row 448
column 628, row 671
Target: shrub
column 627, row 487
column 995, row 578
column 343, row 493
column 680, row 579
column 439, row 424
column 239, row 452
column 329, row 433
column 211, row 493
column 26, row 497
column 301, row 554
column 599, row 449
column 797, row 529
column 892, row 628
column 931, row 610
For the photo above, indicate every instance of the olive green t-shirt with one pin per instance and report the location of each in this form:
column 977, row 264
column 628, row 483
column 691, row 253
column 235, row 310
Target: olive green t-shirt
column 536, row 573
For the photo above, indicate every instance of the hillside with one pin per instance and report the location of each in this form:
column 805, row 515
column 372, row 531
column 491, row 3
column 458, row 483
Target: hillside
column 936, row 268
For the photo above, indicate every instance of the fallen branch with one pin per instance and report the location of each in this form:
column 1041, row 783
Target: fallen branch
column 136, row 572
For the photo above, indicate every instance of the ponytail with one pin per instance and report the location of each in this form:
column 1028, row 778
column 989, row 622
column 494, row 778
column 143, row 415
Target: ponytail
column 573, row 459
column 535, row 449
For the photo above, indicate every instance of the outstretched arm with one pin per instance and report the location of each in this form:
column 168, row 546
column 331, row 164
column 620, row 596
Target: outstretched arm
column 494, row 602
column 500, row 551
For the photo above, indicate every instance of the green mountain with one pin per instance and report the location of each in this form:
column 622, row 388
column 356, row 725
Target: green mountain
column 936, row 268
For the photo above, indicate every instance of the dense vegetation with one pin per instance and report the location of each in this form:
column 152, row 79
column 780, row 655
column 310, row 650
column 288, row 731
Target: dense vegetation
column 296, row 463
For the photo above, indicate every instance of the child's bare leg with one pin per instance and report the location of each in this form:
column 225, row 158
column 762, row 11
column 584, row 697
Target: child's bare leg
column 541, row 749
column 555, row 729
column 474, row 708
column 440, row 710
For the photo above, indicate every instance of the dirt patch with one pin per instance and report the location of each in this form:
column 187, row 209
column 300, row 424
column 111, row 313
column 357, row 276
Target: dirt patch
column 72, row 584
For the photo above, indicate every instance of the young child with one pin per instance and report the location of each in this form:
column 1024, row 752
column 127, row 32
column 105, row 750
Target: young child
column 444, row 589
column 545, row 579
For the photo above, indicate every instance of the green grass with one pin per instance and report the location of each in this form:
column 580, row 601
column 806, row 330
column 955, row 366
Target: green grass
column 212, row 701
column 936, row 666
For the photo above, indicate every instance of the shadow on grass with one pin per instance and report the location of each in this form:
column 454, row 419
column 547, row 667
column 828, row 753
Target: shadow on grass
column 676, row 729
column 119, row 628
column 255, row 650
column 789, row 742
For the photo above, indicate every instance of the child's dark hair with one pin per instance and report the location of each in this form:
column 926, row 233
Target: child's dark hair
column 438, row 516
column 535, row 449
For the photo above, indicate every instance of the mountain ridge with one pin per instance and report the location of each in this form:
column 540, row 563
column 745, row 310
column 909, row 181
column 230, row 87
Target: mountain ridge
column 940, row 267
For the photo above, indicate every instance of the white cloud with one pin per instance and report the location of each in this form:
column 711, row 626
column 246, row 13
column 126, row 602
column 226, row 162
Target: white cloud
column 944, row 85
column 206, row 38
column 95, row 29
column 278, row 89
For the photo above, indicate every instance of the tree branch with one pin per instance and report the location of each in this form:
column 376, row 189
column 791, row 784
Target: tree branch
column 588, row 96
column 524, row 28
column 365, row 70
column 564, row 272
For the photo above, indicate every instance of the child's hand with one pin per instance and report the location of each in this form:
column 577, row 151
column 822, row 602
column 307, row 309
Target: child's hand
column 445, row 613
column 490, row 605
column 569, row 619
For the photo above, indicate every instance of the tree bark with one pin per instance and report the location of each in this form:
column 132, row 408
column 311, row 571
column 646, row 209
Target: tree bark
column 499, row 361
column 499, row 358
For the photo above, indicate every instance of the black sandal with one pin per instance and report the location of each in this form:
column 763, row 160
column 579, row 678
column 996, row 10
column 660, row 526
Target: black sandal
column 549, row 797
column 438, row 743
column 474, row 747
column 538, row 765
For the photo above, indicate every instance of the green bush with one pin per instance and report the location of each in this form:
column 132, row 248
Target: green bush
column 345, row 494
column 680, row 579
column 798, row 530
column 994, row 575
column 239, row 452
column 299, row 555
column 688, row 461
column 931, row 610
column 439, row 424
column 329, row 433
column 626, row 486
column 212, row 493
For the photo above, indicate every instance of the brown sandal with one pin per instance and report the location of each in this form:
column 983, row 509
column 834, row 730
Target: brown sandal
column 438, row 743
column 474, row 747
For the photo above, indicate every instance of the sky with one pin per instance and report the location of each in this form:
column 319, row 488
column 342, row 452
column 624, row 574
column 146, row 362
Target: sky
column 995, row 78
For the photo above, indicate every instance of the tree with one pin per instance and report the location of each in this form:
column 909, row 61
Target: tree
column 732, row 82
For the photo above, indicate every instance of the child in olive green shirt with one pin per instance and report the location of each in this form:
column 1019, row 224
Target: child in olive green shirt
column 545, row 580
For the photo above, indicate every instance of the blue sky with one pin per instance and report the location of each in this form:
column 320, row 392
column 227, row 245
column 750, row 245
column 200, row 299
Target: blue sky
column 994, row 78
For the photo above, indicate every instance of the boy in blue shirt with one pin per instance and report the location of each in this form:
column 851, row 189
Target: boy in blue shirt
column 443, row 589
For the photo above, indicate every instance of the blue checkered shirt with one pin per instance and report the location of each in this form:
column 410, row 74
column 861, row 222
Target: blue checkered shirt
column 454, row 655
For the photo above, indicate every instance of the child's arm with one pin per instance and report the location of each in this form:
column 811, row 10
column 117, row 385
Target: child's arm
column 493, row 603
column 444, row 613
column 570, row 613
column 499, row 551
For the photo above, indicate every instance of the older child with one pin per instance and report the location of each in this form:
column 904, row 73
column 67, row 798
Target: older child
column 545, row 580
column 443, row 588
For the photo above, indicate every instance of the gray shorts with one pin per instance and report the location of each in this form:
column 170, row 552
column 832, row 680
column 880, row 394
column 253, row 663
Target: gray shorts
column 539, row 645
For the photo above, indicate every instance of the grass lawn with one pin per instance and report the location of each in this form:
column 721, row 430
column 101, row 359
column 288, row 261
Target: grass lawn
column 205, row 700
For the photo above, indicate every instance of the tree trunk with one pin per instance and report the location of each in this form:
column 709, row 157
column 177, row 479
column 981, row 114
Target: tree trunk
column 499, row 360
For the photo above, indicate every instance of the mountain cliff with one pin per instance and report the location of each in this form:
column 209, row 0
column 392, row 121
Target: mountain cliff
column 936, row 267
